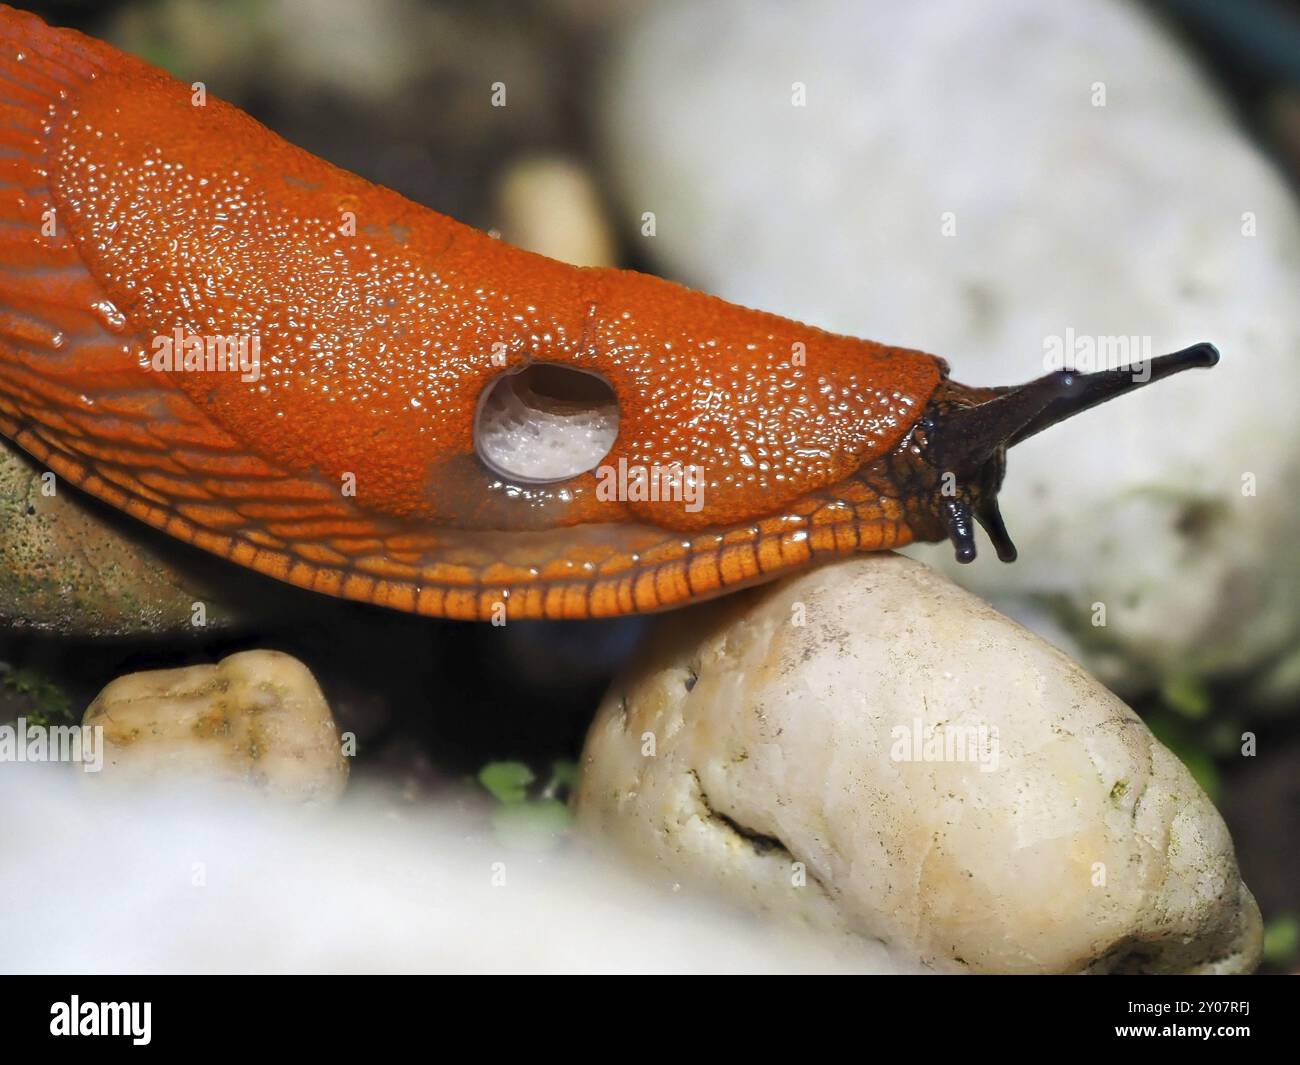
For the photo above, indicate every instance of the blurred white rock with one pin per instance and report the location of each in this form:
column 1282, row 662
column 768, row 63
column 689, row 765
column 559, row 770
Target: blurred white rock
column 257, row 719
column 182, row 882
column 868, row 750
column 987, row 181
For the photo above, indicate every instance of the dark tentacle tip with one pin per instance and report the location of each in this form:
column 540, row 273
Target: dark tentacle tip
column 990, row 517
column 960, row 530
column 1202, row 354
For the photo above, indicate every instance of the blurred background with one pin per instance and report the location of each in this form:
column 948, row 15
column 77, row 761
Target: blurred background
column 619, row 108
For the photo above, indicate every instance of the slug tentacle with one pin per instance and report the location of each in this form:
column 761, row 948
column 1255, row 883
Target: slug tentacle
column 990, row 518
column 961, row 530
column 1079, row 392
column 969, row 436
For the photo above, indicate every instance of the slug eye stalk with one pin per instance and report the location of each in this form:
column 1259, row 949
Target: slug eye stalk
column 971, row 439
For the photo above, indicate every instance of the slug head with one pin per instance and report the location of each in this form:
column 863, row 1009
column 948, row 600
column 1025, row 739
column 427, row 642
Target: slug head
column 953, row 463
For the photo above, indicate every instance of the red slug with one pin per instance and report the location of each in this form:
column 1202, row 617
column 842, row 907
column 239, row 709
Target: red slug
column 139, row 220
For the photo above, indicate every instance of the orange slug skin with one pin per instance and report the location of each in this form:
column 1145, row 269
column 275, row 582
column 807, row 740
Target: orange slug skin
column 128, row 211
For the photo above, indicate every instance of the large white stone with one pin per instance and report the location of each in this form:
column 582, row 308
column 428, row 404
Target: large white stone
column 871, row 751
column 1127, row 219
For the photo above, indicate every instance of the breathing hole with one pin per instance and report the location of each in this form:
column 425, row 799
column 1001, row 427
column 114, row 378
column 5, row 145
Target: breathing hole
column 545, row 423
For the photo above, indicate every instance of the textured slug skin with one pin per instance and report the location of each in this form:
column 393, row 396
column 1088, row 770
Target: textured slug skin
column 127, row 211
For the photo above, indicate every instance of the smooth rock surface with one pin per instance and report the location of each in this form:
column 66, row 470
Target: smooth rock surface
column 256, row 719
column 870, row 750
column 71, row 566
column 956, row 181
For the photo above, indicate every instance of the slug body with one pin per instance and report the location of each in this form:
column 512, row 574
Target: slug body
column 133, row 212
